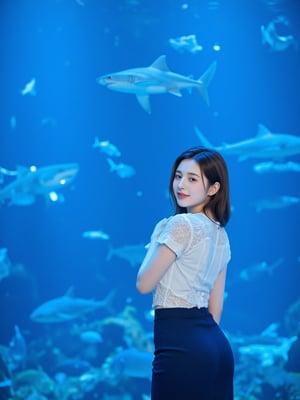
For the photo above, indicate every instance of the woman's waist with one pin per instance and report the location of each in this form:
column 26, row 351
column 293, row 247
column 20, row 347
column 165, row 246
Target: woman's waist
column 167, row 298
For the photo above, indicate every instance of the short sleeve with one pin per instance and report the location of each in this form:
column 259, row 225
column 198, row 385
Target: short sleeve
column 176, row 234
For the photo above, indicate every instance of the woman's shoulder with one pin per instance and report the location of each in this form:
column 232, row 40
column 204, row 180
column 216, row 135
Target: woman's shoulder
column 179, row 222
column 178, row 218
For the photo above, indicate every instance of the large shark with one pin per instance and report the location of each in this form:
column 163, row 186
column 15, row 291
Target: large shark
column 275, row 146
column 34, row 181
column 156, row 79
column 68, row 307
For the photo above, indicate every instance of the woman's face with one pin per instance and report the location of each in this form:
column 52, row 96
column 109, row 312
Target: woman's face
column 190, row 187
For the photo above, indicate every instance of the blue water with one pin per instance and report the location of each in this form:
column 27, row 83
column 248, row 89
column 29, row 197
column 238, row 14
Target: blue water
column 65, row 45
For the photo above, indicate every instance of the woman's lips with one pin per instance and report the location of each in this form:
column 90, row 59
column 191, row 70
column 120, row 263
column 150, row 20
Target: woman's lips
column 182, row 196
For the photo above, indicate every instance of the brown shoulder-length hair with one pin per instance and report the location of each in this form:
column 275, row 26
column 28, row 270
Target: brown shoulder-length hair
column 213, row 166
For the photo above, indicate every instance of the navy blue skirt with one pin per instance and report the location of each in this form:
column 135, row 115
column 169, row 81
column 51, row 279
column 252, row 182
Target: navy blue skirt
column 193, row 359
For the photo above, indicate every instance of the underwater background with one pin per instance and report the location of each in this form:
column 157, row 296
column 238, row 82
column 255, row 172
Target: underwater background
column 86, row 240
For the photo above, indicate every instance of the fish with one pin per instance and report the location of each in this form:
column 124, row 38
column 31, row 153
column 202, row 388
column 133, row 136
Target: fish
column 268, row 336
column 186, row 43
column 91, row 337
column 13, row 122
column 268, row 354
column 18, row 349
column 257, row 270
column 121, row 169
column 132, row 363
column 134, row 254
column 5, row 264
column 29, row 88
column 33, row 181
column 106, row 147
column 270, row 36
column 68, row 307
column 265, row 144
column 98, row 234
column 156, row 79
column 276, row 202
column 270, row 167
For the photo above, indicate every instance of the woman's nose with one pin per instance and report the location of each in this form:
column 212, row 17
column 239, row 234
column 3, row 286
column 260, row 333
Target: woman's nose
column 180, row 183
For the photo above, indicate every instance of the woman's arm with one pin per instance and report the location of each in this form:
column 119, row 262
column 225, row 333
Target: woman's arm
column 216, row 298
column 157, row 260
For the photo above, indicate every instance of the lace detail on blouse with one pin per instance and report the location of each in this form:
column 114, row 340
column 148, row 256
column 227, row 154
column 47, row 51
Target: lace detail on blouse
column 164, row 297
column 202, row 250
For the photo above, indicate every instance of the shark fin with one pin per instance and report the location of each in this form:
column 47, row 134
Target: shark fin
column 175, row 91
column 161, row 64
column 263, row 34
column 263, row 130
column 203, row 140
column 96, row 142
column 70, row 292
column 144, row 102
column 110, row 253
column 205, row 80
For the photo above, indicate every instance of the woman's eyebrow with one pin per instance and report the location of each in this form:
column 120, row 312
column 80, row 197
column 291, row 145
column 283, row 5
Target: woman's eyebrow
column 188, row 173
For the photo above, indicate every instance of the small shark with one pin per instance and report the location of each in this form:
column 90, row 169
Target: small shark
column 134, row 254
column 273, row 39
column 132, row 363
column 34, row 181
column 67, row 308
column 106, row 147
column 270, row 167
column 257, row 270
column 276, row 202
column 121, row 169
column 265, row 144
column 268, row 355
column 156, row 79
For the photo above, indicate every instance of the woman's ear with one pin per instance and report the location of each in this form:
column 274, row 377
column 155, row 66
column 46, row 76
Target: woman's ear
column 213, row 189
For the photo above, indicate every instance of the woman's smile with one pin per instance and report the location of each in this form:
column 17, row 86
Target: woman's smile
column 181, row 195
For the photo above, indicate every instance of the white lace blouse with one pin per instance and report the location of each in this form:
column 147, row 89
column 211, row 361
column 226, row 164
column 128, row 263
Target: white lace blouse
column 202, row 249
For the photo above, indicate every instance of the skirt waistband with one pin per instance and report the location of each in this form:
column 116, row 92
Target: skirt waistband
column 180, row 312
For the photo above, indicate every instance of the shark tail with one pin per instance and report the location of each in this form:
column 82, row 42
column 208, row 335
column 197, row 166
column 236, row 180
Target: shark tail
column 107, row 302
column 110, row 253
column 96, row 142
column 205, row 80
column 203, row 140
column 112, row 165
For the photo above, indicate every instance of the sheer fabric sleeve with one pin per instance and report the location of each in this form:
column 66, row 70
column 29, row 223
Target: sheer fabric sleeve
column 176, row 234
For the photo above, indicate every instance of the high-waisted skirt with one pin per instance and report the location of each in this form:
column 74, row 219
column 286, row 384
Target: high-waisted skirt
column 193, row 359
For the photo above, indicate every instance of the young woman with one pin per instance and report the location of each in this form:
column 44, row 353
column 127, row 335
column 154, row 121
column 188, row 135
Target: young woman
column 185, row 266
